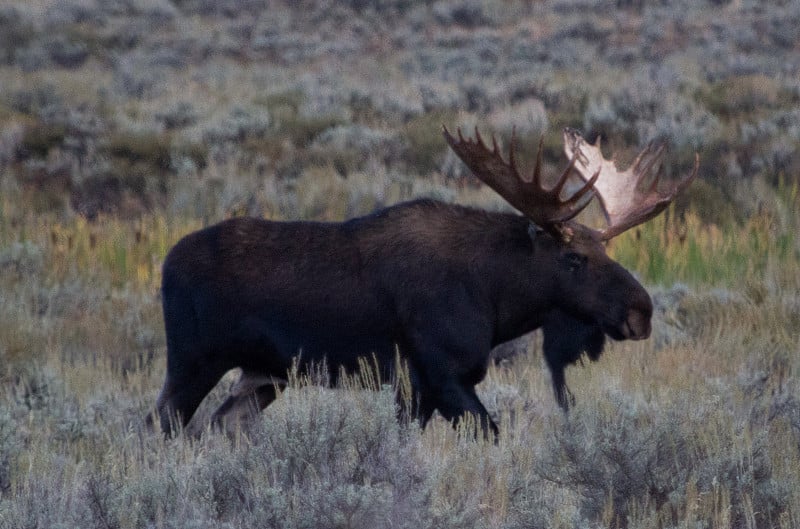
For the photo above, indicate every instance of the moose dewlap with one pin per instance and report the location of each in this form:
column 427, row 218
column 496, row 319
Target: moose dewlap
column 439, row 283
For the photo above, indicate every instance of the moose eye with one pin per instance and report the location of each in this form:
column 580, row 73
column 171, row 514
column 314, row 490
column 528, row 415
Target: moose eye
column 574, row 261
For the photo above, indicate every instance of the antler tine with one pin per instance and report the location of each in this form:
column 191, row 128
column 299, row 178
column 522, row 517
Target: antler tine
column 536, row 177
column 478, row 138
column 562, row 180
column 679, row 186
column 683, row 184
column 544, row 207
column 654, row 184
column 653, row 157
column 587, row 190
column 624, row 204
column 512, row 159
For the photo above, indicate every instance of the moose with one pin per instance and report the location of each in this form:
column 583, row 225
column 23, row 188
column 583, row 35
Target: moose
column 436, row 284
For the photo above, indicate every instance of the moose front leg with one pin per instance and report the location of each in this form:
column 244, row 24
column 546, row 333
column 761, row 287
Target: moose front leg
column 566, row 339
column 452, row 393
column 451, row 355
column 456, row 401
column 564, row 396
column 414, row 402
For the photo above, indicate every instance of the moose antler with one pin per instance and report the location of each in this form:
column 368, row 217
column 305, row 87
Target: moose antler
column 544, row 207
column 624, row 203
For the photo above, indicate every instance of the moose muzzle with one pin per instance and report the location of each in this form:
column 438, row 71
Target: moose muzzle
column 637, row 325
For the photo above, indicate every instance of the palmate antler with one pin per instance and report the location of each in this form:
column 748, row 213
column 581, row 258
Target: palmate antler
column 625, row 204
column 544, row 207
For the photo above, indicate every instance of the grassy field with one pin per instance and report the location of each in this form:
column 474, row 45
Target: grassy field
column 126, row 125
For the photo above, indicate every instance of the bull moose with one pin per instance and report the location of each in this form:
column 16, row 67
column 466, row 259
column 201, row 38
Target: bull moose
column 437, row 284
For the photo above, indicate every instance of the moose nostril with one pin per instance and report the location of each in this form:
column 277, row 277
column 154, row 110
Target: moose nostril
column 638, row 325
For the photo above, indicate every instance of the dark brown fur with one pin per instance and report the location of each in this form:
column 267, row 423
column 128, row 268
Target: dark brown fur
column 442, row 284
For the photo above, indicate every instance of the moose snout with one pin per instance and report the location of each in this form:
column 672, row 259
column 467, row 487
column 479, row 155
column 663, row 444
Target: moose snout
column 637, row 325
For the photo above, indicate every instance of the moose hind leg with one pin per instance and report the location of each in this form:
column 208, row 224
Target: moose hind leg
column 182, row 394
column 252, row 393
column 239, row 409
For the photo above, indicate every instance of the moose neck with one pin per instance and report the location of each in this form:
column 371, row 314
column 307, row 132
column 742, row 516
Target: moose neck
column 522, row 290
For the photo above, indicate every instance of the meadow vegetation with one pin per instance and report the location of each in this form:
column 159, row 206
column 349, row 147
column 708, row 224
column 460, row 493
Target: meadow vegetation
column 125, row 125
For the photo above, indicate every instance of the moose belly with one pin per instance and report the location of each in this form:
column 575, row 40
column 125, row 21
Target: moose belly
column 272, row 345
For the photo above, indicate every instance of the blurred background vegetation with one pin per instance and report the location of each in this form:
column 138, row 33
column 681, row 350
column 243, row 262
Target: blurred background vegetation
column 125, row 124
column 204, row 109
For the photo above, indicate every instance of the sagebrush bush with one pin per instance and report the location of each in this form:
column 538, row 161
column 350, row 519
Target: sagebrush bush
column 629, row 456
